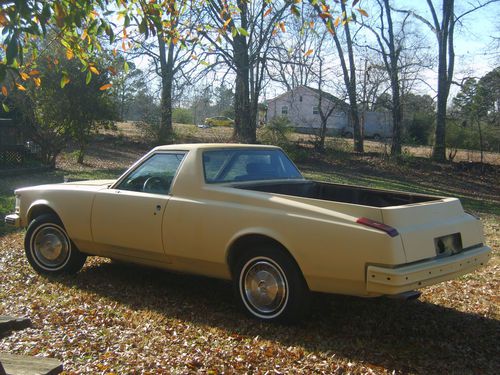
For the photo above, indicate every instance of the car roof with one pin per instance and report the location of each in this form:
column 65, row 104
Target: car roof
column 208, row 146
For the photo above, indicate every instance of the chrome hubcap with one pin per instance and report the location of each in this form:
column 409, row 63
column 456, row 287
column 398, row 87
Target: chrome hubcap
column 265, row 287
column 51, row 246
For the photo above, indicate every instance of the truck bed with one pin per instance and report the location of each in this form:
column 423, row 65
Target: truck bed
column 340, row 193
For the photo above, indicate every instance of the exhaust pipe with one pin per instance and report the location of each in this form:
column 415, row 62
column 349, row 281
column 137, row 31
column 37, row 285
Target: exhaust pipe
column 406, row 296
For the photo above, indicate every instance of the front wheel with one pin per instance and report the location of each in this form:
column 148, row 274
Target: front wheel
column 49, row 249
column 270, row 286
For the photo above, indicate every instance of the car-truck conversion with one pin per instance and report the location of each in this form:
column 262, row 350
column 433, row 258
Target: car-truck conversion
column 245, row 213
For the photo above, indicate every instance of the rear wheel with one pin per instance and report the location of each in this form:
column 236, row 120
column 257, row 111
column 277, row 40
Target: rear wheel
column 49, row 249
column 270, row 286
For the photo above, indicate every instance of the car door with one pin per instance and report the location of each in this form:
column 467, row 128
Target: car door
column 127, row 218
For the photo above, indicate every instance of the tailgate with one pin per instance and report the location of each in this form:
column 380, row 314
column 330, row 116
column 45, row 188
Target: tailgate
column 420, row 224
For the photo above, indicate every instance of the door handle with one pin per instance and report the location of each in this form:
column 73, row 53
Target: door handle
column 158, row 207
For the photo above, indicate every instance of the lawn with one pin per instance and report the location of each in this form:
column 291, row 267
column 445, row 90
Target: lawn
column 117, row 318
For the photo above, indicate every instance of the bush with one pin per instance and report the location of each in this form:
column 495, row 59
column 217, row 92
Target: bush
column 297, row 153
column 149, row 124
column 228, row 113
column 461, row 135
column 491, row 138
column 277, row 132
column 419, row 129
column 182, row 116
column 337, row 146
column 466, row 136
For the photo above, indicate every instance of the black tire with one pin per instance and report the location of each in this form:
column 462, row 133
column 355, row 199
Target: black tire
column 270, row 286
column 49, row 249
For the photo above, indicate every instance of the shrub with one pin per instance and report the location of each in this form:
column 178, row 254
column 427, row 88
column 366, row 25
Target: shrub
column 149, row 124
column 297, row 153
column 228, row 113
column 277, row 132
column 419, row 129
column 460, row 135
column 182, row 116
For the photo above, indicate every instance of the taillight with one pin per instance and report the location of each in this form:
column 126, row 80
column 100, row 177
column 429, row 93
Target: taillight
column 377, row 225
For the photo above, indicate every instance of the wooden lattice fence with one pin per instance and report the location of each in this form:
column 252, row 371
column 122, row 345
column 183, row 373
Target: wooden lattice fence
column 12, row 155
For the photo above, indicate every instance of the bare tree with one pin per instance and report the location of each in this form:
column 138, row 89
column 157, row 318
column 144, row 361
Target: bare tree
column 325, row 110
column 390, row 48
column 298, row 59
column 349, row 72
column 293, row 56
column 242, row 39
column 444, row 30
column 169, row 39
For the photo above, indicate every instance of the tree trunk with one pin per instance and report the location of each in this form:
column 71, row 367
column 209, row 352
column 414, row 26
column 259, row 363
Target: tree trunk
column 446, row 58
column 52, row 161
column 396, row 122
column 81, row 154
column 320, row 145
column 481, row 148
column 439, row 150
column 393, row 70
column 244, row 128
column 166, row 65
column 122, row 101
column 351, row 89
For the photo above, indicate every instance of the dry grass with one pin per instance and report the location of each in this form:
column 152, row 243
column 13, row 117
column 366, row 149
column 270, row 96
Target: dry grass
column 117, row 318
column 220, row 134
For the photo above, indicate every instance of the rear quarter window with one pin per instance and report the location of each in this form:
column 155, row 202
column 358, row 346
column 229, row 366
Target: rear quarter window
column 247, row 165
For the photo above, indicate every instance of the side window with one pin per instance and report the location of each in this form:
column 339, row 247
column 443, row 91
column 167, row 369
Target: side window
column 284, row 110
column 154, row 175
column 316, row 110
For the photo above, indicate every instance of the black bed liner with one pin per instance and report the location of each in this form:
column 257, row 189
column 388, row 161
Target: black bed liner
column 339, row 193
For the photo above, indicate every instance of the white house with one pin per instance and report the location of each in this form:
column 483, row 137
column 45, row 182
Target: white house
column 301, row 106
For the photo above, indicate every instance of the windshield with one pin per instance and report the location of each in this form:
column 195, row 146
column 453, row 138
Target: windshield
column 247, row 165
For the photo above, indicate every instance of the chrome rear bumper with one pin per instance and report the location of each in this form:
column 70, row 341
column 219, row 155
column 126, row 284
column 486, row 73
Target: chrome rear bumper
column 390, row 281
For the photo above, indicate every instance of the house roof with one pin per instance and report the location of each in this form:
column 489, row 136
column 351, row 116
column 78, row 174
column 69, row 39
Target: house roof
column 324, row 94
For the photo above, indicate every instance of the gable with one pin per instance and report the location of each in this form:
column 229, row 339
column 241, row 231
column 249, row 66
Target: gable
column 293, row 96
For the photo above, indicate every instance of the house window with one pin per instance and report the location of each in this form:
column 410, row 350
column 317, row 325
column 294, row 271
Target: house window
column 300, row 98
column 316, row 110
column 284, row 110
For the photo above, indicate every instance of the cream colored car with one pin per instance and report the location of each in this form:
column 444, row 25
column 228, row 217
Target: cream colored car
column 245, row 213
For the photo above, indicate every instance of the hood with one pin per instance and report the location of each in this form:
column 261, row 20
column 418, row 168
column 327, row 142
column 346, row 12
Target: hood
column 76, row 185
column 91, row 182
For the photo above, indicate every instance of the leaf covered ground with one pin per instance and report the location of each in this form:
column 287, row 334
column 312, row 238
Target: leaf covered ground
column 118, row 318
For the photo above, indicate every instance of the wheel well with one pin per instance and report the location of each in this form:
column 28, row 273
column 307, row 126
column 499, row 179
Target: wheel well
column 41, row 209
column 247, row 242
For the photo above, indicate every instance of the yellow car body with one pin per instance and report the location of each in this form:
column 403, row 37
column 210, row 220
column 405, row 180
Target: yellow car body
column 219, row 121
column 274, row 240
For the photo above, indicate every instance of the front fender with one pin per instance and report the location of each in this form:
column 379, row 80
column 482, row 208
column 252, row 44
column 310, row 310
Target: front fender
column 33, row 208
